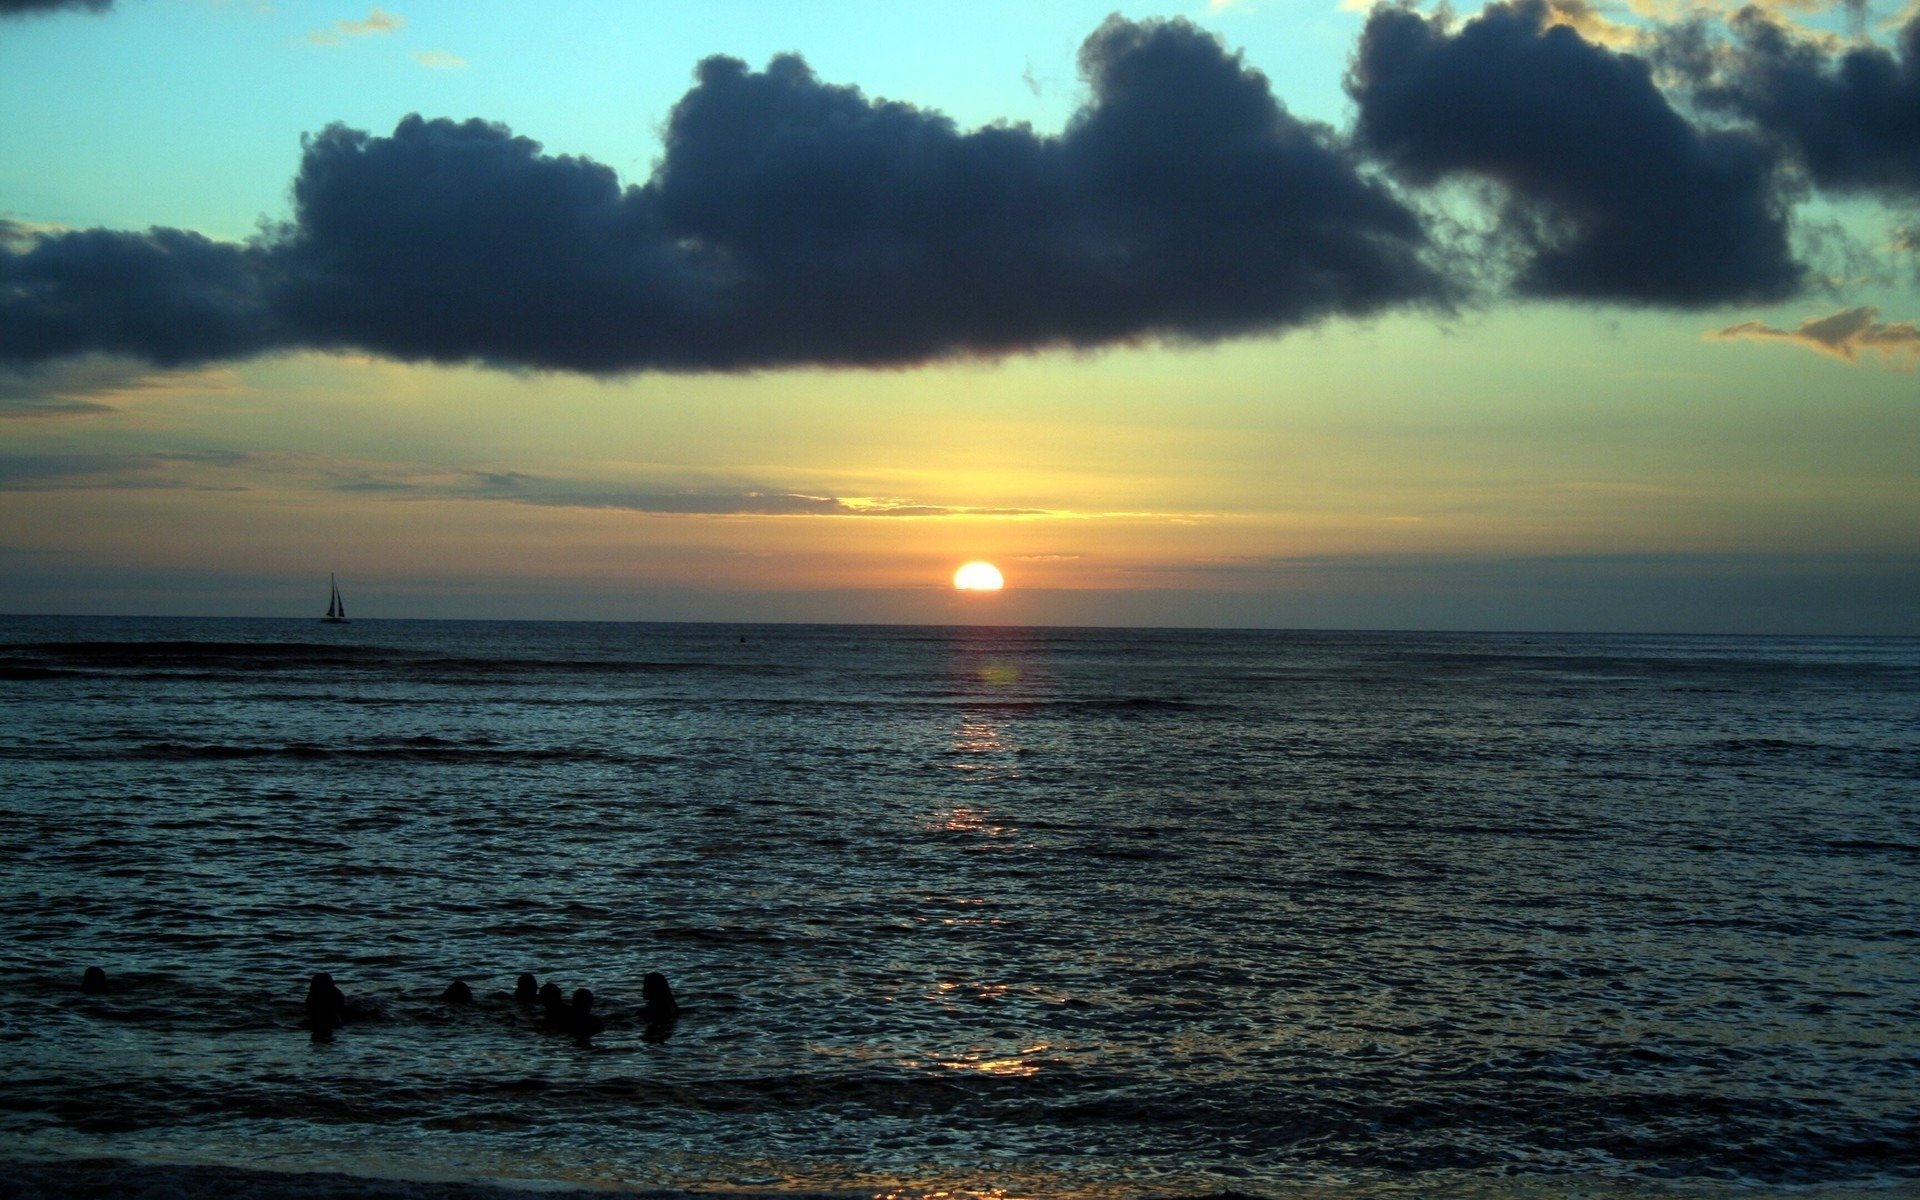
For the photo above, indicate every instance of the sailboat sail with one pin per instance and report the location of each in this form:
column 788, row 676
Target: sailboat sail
column 336, row 607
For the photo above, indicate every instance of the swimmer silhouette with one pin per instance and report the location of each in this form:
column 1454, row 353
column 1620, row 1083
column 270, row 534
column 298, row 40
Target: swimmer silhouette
column 553, row 1006
column 94, row 982
column 458, row 993
column 526, row 991
column 581, row 1022
column 656, row 996
column 326, row 1007
column 658, row 1009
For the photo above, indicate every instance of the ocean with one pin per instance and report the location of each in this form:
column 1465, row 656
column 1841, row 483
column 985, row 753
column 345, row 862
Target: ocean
column 966, row 911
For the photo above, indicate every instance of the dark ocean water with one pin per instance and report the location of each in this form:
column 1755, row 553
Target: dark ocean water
column 1050, row 912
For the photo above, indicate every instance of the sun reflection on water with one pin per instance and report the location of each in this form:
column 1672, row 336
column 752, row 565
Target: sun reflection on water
column 999, row 674
column 978, row 991
column 956, row 1194
column 981, row 1060
column 970, row 820
column 977, row 736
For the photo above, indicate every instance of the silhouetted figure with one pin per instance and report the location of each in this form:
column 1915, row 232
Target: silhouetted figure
column 581, row 1022
column 553, row 1006
column 94, row 982
column 656, row 999
column 526, row 991
column 658, row 1010
column 326, row 1007
column 458, row 993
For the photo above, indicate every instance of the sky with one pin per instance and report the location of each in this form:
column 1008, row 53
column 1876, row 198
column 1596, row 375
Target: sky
column 1547, row 315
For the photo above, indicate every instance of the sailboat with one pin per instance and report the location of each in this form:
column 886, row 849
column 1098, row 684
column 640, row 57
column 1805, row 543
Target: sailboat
column 336, row 607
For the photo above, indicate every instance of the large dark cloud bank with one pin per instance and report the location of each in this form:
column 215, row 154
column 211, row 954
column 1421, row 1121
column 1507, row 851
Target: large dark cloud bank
column 790, row 221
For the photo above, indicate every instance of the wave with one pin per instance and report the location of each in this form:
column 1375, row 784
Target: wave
column 1309, row 1120
column 410, row 750
column 243, row 660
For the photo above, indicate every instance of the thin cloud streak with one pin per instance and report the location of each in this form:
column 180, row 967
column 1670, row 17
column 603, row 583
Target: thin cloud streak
column 222, row 470
column 1845, row 335
column 378, row 22
column 245, row 471
column 517, row 488
column 57, row 472
column 97, row 384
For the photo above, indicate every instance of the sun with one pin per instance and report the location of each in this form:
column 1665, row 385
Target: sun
column 979, row 577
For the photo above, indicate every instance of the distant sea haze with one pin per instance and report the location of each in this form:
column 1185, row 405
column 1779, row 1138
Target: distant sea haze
column 1057, row 912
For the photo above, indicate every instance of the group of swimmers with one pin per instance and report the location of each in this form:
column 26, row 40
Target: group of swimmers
column 328, row 1007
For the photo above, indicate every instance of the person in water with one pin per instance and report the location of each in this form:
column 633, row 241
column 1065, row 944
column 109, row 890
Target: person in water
column 526, row 991
column 553, row 1006
column 658, row 1011
column 326, row 1007
column 656, row 999
column 458, row 993
column 94, row 982
column 581, row 1022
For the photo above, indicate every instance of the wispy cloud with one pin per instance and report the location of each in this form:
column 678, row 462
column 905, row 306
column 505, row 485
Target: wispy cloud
column 439, row 60
column 178, row 471
column 378, row 21
column 644, row 493
column 1844, row 335
column 17, row 237
column 1596, row 23
column 96, row 384
column 517, row 487
column 18, row 408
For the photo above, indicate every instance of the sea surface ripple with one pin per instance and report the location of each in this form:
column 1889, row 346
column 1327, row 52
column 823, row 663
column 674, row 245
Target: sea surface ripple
column 1035, row 912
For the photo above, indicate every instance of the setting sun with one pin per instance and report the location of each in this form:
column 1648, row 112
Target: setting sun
column 978, row 577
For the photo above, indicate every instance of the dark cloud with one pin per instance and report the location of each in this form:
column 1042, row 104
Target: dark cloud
column 1181, row 201
column 1852, row 116
column 1610, row 194
column 28, row 8
column 789, row 222
column 166, row 296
